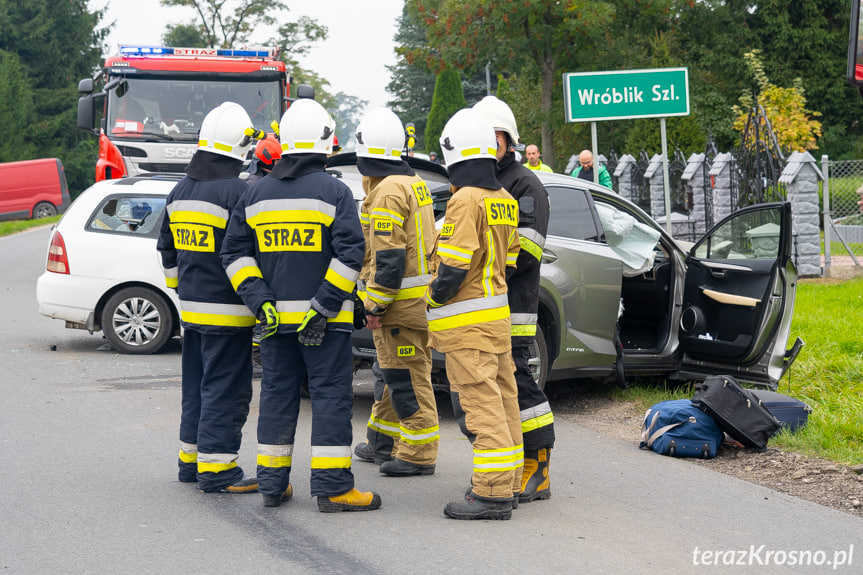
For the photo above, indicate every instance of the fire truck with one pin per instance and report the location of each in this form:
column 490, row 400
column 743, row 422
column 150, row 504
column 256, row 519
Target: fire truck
column 154, row 99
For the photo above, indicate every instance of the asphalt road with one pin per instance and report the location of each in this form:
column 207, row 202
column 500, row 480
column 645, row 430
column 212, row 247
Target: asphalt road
column 88, row 444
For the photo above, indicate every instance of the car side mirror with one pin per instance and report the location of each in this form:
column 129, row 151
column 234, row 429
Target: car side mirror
column 854, row 69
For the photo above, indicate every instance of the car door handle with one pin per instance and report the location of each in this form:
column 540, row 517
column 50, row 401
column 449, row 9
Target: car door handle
column 718, row 273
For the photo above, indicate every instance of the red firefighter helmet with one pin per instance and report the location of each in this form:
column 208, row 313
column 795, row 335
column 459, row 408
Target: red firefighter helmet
column 336, row 147
column 268, row 150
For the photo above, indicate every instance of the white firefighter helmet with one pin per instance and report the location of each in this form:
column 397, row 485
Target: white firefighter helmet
column 306, row 128
column 380, row 135
column 499, row 115
column 468, row 136
column 225, row 131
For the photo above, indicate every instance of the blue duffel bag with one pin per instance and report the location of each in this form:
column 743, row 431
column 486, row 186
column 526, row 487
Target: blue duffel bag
column 679, row 429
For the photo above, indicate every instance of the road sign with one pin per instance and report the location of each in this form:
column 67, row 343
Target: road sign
column 617, row 95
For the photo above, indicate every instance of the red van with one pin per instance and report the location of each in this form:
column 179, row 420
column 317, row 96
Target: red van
column 33, row 189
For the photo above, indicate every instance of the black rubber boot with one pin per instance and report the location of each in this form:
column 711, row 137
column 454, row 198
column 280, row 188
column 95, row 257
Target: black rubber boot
column 247, row 485
column 535, row 483
column 475, row 507
column 366, row 452
column 401, row 468
column 276, row 500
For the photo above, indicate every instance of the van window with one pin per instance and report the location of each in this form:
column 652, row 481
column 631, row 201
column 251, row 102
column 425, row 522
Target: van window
column 571, row 215
column 133, row 215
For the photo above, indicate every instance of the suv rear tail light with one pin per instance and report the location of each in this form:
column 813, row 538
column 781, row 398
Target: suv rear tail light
column 57, row 260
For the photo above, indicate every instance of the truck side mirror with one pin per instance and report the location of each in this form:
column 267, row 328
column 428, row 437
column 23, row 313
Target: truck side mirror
column 86, row 113
column 85, row 86
column 854, row 70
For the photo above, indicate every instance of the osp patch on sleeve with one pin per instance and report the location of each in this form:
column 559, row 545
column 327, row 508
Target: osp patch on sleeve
column 501, row 212
column 406, row 351
column 382, row 226
column 422, row 193
column 193, row 237
column 447, row 231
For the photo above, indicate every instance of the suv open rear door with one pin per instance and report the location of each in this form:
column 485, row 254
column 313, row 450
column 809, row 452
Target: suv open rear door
column 738, row 297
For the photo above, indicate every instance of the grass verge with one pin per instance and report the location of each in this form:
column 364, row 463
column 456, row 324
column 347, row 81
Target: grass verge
column 15, row 226
column 827, row 375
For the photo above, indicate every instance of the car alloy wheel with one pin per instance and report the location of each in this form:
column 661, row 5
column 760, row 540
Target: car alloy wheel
column 137, row 320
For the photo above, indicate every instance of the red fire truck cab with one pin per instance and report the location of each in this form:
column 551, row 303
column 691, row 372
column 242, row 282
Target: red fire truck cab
column 155, row 99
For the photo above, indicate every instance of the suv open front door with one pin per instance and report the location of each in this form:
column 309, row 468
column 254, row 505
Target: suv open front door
column 739, row 296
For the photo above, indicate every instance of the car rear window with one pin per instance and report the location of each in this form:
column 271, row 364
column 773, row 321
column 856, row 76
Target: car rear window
column 128, row 215
column 571, row 214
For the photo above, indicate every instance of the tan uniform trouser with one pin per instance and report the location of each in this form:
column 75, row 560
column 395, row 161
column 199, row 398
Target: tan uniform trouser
column 407, row 411
column 485, row 384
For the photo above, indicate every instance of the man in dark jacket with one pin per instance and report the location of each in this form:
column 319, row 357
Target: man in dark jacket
column 537, row 421
column 217, row 364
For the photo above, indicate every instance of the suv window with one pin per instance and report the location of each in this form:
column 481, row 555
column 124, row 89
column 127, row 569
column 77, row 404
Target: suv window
column 128, row 214
column 571, row 214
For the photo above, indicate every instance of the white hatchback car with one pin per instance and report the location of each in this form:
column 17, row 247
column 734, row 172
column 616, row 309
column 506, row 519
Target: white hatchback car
column 103, row 271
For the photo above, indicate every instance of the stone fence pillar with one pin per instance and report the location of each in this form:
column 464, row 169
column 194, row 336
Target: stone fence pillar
column 693, row 181
column 623, row 174
column 653, row 175
column 801, row 176
column 720, row 179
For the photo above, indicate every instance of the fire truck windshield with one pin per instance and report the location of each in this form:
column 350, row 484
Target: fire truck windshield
column 157, row 109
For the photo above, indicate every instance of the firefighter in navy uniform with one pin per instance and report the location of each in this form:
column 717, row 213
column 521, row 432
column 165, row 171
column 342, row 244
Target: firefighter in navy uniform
column 216, row 363
column 469, row 316
column 398, row 222
column 293, row 251
column 537, row 421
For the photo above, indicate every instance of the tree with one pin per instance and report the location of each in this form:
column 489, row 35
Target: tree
column 348, row 113
column 55, row 45
column 511, row 33
column 447, row 100
column 184, row 35
column 795, row 128
column 221, row 26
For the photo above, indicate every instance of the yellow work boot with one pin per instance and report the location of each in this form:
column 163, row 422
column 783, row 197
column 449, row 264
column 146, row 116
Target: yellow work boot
column 353, row 500
column 278, row 499
column 535, row 483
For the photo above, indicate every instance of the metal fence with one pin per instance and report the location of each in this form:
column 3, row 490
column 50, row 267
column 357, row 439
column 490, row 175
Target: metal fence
column 843, row 217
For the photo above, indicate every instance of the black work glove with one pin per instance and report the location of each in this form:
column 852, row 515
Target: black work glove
column 359, row 312
column 313, row 328
column 269, row 318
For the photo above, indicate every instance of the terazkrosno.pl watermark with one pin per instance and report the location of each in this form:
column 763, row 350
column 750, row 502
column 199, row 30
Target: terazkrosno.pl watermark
column 761, row 555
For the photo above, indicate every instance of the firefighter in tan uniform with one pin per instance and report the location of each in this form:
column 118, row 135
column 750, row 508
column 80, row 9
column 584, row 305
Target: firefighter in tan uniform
column 398, row 224
column 469, row 317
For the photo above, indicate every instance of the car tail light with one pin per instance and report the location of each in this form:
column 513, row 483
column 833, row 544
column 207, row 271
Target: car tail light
column 57, row 260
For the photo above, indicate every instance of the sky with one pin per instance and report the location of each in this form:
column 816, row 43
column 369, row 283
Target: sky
column 360, row 41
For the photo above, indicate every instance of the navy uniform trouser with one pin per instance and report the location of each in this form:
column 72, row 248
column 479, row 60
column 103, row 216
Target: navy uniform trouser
column 217, row 390
column 329, row 368
column 537, row 422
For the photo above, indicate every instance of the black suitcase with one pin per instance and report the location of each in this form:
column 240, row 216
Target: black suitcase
column 736, row 410
column 791, row 412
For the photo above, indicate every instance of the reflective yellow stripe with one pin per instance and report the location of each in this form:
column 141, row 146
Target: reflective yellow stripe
column 390, row 428
column 215, row 467
column 274, row 460
column 217, row 319
column 430, row 301
column 453, row 252
column 496, row 460
column 290, row 216
column 537, row 422
column 471, row 317
column 422, row 263
column 487, row 284
column 531, row 247
column 171, row 282
column 339, row 281
column 188, row 217
column 304, row 145
column 244, row 274
column 331, row 462
column 411, row 293
column 388, row 214
column 188, row 457
column 523, row 330
column 364, row 218
column 379, row 297
column 511, row 258
column 223, row 147
column 420, row 436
